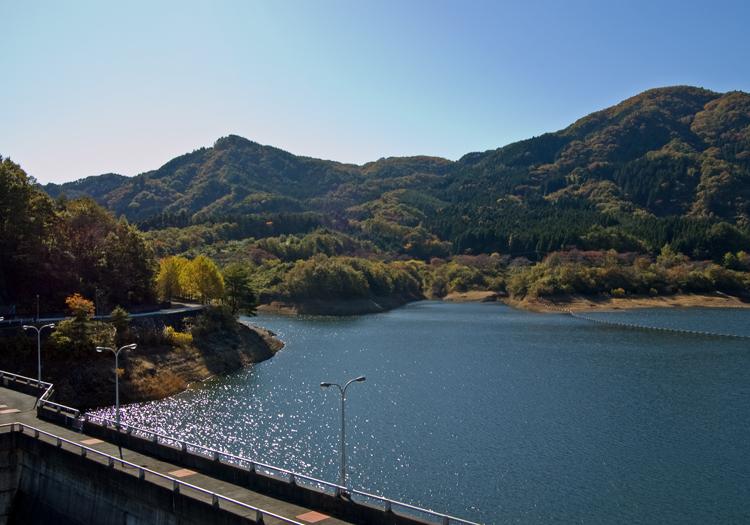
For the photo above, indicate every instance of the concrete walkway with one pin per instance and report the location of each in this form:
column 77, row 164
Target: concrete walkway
column 18, row 407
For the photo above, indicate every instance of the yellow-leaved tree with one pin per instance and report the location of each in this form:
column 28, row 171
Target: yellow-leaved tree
column 202, row 279
column 168, row 283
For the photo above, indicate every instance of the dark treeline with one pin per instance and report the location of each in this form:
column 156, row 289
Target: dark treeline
column 56, row 248
column 536, row 230
column 251, row 225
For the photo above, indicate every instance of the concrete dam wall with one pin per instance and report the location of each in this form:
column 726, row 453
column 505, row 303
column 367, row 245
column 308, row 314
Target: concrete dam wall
column 41, row 483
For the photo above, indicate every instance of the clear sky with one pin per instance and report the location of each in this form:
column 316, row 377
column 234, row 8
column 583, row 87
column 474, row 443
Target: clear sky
column 96, row 87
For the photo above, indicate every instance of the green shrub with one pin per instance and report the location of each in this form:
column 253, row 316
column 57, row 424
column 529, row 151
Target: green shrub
column 214, row 318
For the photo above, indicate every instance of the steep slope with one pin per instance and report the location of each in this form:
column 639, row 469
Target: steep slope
column 667, row 151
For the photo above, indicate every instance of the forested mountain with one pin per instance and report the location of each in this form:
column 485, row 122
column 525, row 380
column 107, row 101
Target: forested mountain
column 237, row 176
column 670, row 165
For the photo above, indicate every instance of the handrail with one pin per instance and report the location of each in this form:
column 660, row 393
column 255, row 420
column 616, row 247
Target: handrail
column 142, row 471
column 42, row 400
column 25, row 380
column 387, row 503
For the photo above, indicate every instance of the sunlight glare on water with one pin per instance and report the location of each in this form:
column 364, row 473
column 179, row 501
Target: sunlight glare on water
column 497, row 415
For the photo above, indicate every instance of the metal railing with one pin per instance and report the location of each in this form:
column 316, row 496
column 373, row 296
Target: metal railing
column 143, row 473
column 327, row 487
column 23, row 380
column 43, row 400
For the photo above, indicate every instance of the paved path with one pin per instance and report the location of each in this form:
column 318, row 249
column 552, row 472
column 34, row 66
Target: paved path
column 18, row 407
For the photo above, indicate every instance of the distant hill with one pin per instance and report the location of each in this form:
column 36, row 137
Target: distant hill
column 238, row 176
column 666, row 165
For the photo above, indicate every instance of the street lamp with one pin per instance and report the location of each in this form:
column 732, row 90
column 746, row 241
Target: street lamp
column 101, row 349
column 342, row 391
column 51, row 326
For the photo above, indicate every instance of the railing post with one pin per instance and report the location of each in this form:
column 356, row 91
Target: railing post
column 216, row 455
column 176, row 487
column 388, row 506
column 446, row 520
column 59, row 443
column 215, row 500
column 141, row 474
column 258, row 516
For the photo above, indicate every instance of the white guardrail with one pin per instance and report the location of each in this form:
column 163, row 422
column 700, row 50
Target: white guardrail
column 143, row 473
column 386, row 504
column 43, row 399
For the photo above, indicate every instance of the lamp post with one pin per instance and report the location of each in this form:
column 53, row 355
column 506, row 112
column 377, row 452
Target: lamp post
column 342, row 391
column 101, row 349
column 51, row 326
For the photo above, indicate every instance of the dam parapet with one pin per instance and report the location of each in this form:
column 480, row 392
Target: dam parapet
column 57, row 430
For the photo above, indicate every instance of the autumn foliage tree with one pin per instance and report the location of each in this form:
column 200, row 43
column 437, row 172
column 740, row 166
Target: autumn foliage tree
column 201, row 278
column 80, row 334
column 168, row 279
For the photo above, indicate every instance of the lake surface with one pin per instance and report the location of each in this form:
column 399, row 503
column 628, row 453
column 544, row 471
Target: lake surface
column 498, row 415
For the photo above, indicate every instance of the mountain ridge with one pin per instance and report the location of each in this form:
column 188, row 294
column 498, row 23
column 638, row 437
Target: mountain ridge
column 676, row 151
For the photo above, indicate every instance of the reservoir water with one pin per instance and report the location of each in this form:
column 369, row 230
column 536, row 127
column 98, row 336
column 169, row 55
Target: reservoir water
column 498, row 415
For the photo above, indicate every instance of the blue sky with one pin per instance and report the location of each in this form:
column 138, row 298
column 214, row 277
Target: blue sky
column 96, row 87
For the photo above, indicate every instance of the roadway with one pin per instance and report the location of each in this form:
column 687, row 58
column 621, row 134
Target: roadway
column 182, row 309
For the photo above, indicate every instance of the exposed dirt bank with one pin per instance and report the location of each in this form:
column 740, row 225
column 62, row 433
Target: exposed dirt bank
column 579, row 303
column 475, row 296
column 341, row 307
column 149, row 373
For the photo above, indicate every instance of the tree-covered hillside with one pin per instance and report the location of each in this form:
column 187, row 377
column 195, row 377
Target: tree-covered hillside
column 668, row 166
column 56, row 248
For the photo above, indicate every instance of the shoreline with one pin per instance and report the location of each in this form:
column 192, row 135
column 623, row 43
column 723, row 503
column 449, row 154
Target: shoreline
column 583, row 303
column 336, row 307
column 156, row 372
column 550, row 304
